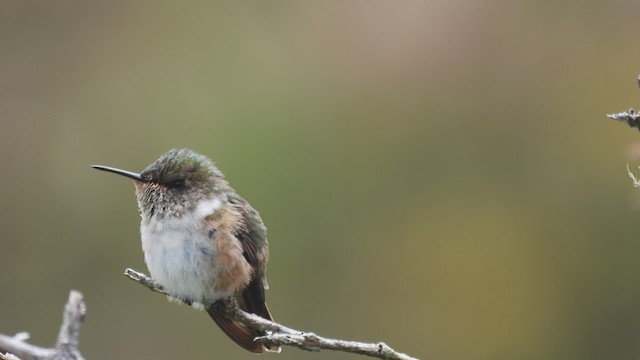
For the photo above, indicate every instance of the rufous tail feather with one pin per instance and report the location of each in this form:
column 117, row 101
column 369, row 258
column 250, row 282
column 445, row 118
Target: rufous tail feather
column 239, row 333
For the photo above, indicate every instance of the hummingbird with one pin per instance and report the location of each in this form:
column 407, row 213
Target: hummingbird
column 201, row 241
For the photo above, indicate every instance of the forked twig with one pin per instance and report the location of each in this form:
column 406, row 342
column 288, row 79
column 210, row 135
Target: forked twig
column 66, row 348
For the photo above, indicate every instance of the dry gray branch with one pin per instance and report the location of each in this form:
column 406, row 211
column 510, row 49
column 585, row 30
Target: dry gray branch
column 8, row 357
column 281, row 335
column 631, row 117
column 66, row 347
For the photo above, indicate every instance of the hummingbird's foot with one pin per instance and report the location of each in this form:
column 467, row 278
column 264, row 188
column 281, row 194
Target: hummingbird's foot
column 224, row 306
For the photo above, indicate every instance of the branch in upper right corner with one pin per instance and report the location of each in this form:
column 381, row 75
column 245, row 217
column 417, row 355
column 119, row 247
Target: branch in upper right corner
column 632, row 118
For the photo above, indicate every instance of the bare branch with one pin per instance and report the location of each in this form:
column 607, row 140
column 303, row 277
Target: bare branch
column 15, row 345
column 74, row 312
column 277, row 334
column 631, row 117
column 8, row 356
column 68, row 339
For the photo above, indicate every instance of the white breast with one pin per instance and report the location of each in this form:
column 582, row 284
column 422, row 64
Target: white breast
column 180, row 254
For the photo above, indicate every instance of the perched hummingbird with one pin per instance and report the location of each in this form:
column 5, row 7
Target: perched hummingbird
column 202, row 242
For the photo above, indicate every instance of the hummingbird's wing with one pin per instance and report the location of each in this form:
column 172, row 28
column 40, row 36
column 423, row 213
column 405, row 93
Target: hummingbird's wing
column 253, row 237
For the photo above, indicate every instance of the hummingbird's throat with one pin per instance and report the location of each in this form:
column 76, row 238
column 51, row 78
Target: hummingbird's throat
column 159, row 202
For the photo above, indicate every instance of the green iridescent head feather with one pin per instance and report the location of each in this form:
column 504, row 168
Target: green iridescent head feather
column 181, row 164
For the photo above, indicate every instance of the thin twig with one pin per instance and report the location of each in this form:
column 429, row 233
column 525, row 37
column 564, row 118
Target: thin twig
column 8, row 356
column 277, row 334
column 68, row 339
column 631, row 117
column 74, row 312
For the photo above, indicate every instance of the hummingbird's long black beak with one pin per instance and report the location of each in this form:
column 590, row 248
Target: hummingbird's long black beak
column 129, row 174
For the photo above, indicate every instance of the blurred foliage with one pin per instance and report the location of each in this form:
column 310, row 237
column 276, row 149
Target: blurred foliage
column 436, row 175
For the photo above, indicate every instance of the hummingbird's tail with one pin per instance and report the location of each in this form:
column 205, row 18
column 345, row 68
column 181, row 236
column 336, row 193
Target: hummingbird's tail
column 252, row 301
column 239, row 333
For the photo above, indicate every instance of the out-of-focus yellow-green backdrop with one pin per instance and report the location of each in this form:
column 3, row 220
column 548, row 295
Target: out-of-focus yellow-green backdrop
column 436, row 175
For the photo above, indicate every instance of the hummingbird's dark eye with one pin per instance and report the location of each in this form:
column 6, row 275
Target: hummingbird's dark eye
column 177, row 183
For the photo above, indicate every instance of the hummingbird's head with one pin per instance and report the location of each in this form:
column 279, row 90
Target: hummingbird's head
column 175, row 183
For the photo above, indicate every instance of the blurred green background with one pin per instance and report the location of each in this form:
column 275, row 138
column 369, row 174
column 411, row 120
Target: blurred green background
column 436, row 175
